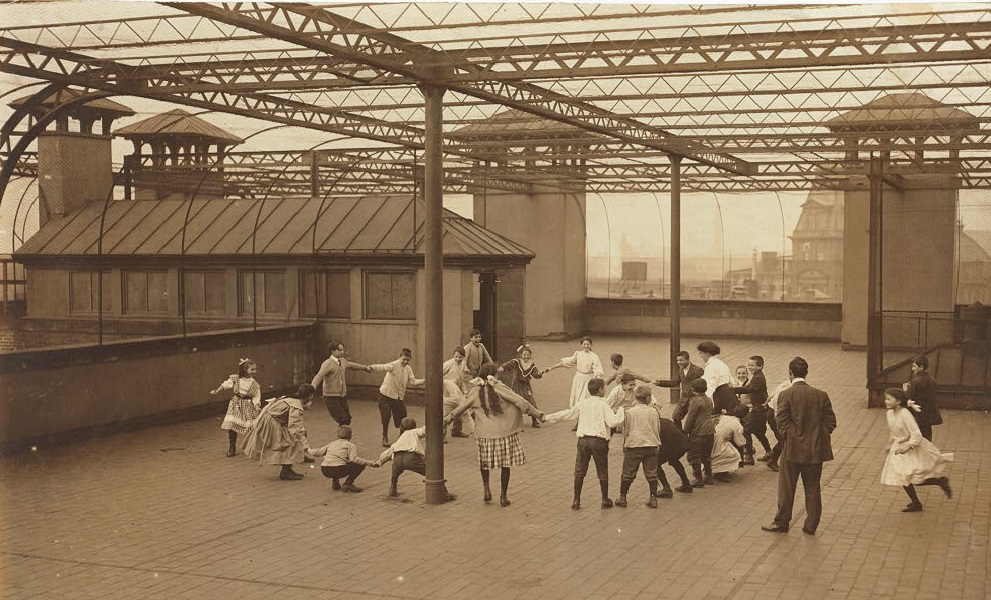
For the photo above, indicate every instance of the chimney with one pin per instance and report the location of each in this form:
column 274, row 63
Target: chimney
column 74, row 161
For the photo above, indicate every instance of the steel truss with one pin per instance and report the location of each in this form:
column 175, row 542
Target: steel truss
column 746, row 95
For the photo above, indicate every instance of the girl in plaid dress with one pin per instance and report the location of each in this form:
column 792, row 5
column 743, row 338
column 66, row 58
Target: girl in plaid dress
column 244, row 405
column 498, row 413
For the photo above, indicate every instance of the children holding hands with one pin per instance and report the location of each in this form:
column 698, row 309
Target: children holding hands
column 642, row 428
column 341, row 460
column 595, row 422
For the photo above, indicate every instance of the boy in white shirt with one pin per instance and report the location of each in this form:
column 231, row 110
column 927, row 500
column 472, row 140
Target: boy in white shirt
column 392, row 394
column 595, row 422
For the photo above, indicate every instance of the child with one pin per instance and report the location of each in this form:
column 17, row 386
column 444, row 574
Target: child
column 454, row 370
column 244, row 405
column 727, row 440
column 921, row 389
column 701, row 433
column 453, row 398
column 755, row 422
column 498, row 413
column 331, row 381
column 642, row 425
column 618, row 370
column 587, row 366
column 912, row 459
column 520, row 370
column 340, row 459
column 741, row 380
column 392, row 393
column 772, row 405
column 277, row 436
column 623, row 395
column 674, row 445
column 595, row 421
column 475, row 356
column 407, row 454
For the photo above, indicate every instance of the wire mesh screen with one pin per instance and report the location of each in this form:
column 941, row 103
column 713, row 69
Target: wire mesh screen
column 759, row 247
column 936, row 260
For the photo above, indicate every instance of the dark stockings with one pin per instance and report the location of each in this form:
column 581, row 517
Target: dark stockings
column 503, row 486
column 232, row 439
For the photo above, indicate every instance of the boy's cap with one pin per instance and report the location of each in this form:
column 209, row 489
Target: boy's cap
column 699, row 385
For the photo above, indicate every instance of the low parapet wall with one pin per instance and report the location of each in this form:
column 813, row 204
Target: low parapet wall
column 717, row 318
column 54, row 394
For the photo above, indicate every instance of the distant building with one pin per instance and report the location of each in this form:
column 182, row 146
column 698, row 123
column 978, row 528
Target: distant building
column 974, row 278
column 817, row 249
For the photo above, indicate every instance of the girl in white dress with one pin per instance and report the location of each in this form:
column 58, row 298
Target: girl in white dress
column 245, row 403
column 725, row 452
column 912, row 459
column 587, row 366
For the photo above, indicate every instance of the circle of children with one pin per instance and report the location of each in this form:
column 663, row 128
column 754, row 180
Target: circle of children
column 718, row 416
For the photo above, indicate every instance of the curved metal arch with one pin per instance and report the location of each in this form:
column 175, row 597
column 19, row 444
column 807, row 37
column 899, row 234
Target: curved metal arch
column 27, row 211
column 33, row 132
column 24, row 109
column 99, row 255
column 660, row 219
column 20, row 202
column 254, row 233
column 189, row 209
column 722, row 244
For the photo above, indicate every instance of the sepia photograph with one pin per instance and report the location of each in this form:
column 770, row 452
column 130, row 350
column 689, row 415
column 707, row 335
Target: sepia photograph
column 444, row 300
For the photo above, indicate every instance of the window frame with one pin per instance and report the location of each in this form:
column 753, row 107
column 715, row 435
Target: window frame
column 321, row 293
column 146, row 310
column 245, row 307
column 392, row 316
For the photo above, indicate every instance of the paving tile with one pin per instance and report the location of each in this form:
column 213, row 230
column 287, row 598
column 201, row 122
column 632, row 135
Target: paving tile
column 99, row 519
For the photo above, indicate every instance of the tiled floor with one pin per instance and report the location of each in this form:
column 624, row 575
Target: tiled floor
column 163, row 513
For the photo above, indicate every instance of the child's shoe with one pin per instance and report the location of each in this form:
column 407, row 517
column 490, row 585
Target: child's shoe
column 385, row 441
column 748, row 459
column 685, row 488
column 667, row 493
column 607, row 503
column 621, row 501
column 944, row 484
column 393, row 490
column 504, row 501
column 348, row 487
column 336, row 485
column 652, row 503
column 576, row 504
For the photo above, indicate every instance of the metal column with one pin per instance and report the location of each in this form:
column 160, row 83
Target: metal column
column 675, row 267
column 875, row 351
column 433, row 196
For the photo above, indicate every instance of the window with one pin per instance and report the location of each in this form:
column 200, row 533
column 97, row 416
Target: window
column 390, row 295
column 268, row 287
column 325, row 294
column 146, row 292
column 84, row 292
column 204, row 292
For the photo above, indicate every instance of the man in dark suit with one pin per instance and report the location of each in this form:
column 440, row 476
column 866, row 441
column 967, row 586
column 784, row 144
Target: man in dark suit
column 683, row 377
column 805, row 419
